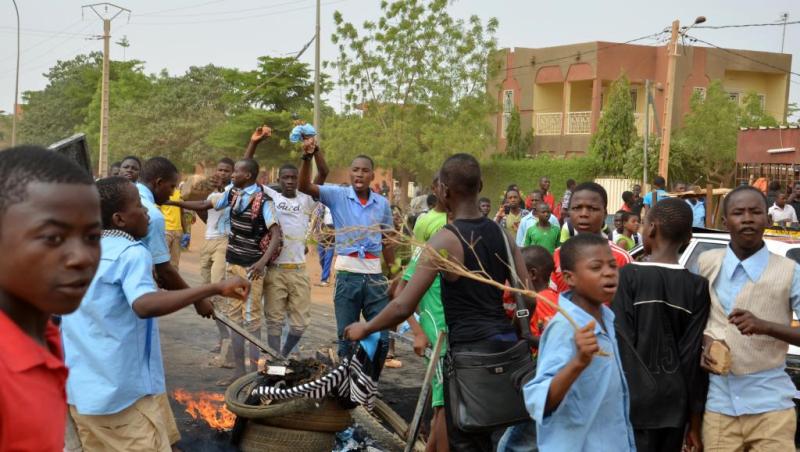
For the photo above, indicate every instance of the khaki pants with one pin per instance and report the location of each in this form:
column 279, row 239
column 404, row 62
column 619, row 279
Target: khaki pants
column 247, row 313
column 212, row 268
column 174, row 245
column 147, row 425
column 765, row 432
column 287, row 292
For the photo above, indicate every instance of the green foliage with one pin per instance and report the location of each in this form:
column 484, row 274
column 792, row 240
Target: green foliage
column 279, row 84
column 616, row 131
column 683, row 164
column 752, row 115
column 419, row 76
column 517, row 145
column 499, row 173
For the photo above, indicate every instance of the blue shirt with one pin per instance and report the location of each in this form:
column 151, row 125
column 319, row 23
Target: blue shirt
column 648, row 197
column 594, row 415
column 156, row 238
column 267, row 209
column 529, row 220
column 760, row 392
column 113, row 356
column 698, row 213
column 348, row 213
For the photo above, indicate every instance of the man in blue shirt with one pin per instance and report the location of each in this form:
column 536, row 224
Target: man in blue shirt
column 361, row 219
column 658, row 184
column 753, row 295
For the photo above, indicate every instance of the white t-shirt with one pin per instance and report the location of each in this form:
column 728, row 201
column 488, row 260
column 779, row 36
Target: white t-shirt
column 293, row 215
column 780, row 215
column 212, row 225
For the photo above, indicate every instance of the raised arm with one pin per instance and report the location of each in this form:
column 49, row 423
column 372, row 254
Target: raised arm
column 260, row 134
column 322, row 166
column 305, row 184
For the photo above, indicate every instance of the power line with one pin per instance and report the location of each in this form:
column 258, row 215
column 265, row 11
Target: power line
column 181, row 8
column 768, row 24
column 296, row 57
column 741, row 55
column 234, row 19
column 220, row 13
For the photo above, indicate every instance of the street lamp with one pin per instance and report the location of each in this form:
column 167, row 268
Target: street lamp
column 16, row 85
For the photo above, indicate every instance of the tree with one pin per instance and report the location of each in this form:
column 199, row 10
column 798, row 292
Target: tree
column 616, row 131
column 278, row 84
column 415, row 84
column 517, row 145
column 752, row 114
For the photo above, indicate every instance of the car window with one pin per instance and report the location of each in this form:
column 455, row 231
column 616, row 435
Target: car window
column 700, row 248
column 794, row 254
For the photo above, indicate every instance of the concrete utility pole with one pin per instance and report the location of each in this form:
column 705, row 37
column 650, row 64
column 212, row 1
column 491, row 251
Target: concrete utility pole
column 16, row 86
column 316, row 74
column 669, row 94
column 646, row 129
column 106, row 18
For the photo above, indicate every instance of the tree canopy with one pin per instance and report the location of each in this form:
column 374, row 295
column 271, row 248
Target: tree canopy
column 616, row 130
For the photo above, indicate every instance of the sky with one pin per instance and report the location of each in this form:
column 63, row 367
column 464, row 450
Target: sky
column 177, row 34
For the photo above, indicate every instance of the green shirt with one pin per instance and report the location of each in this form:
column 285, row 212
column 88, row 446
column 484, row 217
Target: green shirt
column 429, row 224
column 625, row 242
column 544, row 237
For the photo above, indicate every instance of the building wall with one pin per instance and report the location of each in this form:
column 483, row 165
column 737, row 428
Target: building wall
column 753, row 144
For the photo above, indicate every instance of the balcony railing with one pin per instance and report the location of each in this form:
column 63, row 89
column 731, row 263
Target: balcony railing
column 579, row 123
column 548, row 124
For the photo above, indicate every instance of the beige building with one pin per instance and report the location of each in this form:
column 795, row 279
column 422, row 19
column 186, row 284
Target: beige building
column 560, row 91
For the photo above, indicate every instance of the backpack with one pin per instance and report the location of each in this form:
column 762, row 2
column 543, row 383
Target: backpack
column 256, row 204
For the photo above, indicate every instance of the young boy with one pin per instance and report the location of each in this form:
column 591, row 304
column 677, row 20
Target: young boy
column 587, row 214
column 579, row 399
column 50, row 236
column 753, row 295
column 661, row 310
column 473, row 310
column 543, row 233
column 116, row 389
column 630, row 230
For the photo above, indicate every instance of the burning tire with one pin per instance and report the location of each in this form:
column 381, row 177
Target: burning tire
column 327, row 417
column 259, row 438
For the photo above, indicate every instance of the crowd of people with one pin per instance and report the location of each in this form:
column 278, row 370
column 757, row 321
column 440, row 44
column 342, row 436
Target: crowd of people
column 556, row 340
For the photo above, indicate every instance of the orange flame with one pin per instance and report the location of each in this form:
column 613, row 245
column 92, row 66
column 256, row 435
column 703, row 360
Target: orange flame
column 208, row 406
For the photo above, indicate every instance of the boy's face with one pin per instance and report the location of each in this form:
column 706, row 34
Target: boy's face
column 595, row 275
column 512, row 199
column 223, row 173
column 780, row 200
column 543, row 213
column 632, row 225
column 130, row 170
column 132, row 217
column 544, row 184
column 164, row 188
column 51, row 246
column 241, row 177
column 746, row 218
column 361, row 174
column 288, row 182
column 618, row 222
column 485, row 207
column 586, row 212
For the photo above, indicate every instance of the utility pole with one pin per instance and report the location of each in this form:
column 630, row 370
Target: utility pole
column 785, row 17
column 646, row 129
column 106, row 17
column 669, row 98
column 16, row 86
column 316, row 74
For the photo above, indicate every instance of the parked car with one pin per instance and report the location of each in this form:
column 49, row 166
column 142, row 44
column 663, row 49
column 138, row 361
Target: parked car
column 784, row 246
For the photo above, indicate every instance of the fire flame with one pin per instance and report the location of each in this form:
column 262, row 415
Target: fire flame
column 208, row 406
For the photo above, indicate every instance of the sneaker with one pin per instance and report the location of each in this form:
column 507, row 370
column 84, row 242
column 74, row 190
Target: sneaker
column 324, row 284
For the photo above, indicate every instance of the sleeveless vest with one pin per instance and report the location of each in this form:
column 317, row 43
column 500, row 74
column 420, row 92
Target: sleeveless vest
column 247, row 230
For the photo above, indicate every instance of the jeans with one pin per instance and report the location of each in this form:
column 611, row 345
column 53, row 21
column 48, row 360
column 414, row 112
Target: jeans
column 325, row 260
column 519, row 438
column 358, row 294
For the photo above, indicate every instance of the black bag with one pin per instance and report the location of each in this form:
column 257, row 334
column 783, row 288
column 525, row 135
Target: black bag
column 485, row 389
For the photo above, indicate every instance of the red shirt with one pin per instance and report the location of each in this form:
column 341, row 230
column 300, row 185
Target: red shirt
column 33, row 398
column 557, row 282
column 549, row 200
column 543, row 313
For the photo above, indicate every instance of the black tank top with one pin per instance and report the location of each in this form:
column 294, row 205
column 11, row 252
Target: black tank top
column 473, row 310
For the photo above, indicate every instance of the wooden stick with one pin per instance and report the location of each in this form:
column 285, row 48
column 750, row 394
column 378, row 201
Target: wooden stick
column 238, row 329
column 424, row 393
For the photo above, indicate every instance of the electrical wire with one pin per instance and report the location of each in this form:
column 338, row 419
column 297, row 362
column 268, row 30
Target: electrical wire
column 48, row 50
column 222, row 13
column 741, row 55
column 274, row 76
column 234, row 19
column 769, row 24
column 180, row 8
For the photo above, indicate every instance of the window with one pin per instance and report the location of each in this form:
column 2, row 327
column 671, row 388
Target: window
column 734, row 97
column 508, row 107
column 634, row 98
column 700, row 248
column 701, row 92
column 762, row 100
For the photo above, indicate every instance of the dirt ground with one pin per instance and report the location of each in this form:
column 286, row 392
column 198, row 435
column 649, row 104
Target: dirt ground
column 186, row 341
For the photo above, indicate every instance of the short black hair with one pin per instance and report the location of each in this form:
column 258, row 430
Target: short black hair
column 674, row 217
column 593, row 187
column 365, row 157
column 21, row 166
column 573, row 248
column 536, row 256
column 627, row 196
column 157, row 168
column 286, row 166
column 484, row 200
column 116, row 164
column 512, row 187
column 462, row 174
column 252, row 166
column 431, row 201
column 570, row 183
column 131, row 157
column 741, row 188
column 227, row 161
column 112, row 198
column 627, row 215
column 659, row 181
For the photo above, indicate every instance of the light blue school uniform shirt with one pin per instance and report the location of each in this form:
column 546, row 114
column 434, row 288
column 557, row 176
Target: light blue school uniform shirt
column 529, row 220
column 760, row 392
column 156, row 238
column 648, row 197
column 348, row 213
column 267, row 209
column 698, row 214
column 113, row 356
column 594, row 415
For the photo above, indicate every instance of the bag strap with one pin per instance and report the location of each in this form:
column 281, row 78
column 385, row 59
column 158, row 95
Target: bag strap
column 522, row 314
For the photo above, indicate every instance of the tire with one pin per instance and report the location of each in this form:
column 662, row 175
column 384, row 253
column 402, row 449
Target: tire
column 260, row 438
column 386, row 439
column 327, row 417
column 240, row 389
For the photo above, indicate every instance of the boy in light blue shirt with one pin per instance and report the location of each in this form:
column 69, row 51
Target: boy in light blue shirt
column 112, row 343
column 579, row 397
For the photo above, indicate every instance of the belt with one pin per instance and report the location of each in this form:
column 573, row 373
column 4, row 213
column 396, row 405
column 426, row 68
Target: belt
column 290, row 266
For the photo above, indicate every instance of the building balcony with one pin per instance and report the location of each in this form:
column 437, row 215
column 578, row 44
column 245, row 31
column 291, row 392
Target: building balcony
column 547, row 123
